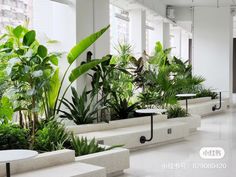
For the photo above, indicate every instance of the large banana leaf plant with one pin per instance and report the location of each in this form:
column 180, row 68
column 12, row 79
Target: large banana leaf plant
column 74, row 55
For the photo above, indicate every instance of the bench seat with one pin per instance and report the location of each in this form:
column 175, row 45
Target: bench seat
column 75, row 169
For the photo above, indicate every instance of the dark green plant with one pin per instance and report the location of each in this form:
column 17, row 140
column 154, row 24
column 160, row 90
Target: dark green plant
column 13, row 137
column 51, row 136
column 82, row 109
column 121, row 108
column 176, row 111
column 207, row 93
column 148, row 99
column 82, row 146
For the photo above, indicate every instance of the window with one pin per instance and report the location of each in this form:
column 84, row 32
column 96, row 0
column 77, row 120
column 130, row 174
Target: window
column 14, row 12
column 119, row 31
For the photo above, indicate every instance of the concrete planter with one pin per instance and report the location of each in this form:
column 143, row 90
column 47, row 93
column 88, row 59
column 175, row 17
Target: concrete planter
column 79, row 129
column 193, row 122
column 114, row 161
column 111, row 162
column 203, row 106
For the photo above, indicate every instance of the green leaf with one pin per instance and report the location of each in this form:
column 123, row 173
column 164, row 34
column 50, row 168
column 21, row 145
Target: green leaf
column 54, row 88
column 18, row 31
column 80, row 70
column 29, row 38
column 77, row 50
column 42, row 51
column 6, row 109
column 54, row 60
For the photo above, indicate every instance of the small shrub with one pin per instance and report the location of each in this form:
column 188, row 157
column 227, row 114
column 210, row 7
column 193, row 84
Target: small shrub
column 52, row 136
column 176, row 111
column 13, row 137
column 81, row 110
column 82, row 146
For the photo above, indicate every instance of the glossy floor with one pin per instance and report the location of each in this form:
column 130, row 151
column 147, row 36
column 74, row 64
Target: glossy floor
column 182, row 159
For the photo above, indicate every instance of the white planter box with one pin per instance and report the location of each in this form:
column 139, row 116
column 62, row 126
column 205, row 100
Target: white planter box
column 128, row 132
column 114, row 161
column 110, row 162
column 205, row 108
column 78, row 129
column 193, row 121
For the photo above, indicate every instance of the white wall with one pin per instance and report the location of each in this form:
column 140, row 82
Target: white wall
column 212, row 42
column 49, row 19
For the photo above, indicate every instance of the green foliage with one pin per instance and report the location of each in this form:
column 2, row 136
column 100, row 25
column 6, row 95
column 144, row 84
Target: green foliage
column 176, row 111
column 51, row 136
column 81, row 109
column 207, row 93
column 84, row 44
column 82, row 146
column 168, row 77
column 148, row 99
column 13, row 137
column 84, row 67
column 121, row 107
column 6, row 110
column 29, row 71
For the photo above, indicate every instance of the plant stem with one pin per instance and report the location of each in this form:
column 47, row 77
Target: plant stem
column 62, row 81
column 63, row 96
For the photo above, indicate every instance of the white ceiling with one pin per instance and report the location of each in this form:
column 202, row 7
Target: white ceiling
column 199, row 2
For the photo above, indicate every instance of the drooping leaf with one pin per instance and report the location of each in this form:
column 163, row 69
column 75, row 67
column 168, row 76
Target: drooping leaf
column 77, row 50
column 54, row 88
column 29, row 38
column 80, row 70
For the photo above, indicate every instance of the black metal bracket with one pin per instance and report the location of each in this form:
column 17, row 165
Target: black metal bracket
column 143, row 139
column 8, row 171
column 214, row 108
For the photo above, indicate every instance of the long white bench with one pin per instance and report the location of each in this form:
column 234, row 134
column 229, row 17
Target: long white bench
column 128, row 132
column 53, row 164
column 75, row 169
column 203, row 106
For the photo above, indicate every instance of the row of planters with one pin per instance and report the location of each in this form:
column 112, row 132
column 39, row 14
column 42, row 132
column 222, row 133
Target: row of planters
column 31, row 90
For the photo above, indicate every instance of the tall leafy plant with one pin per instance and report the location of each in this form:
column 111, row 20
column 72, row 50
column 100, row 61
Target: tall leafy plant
column 74, row 55
column 82, row 109
column 29, row 70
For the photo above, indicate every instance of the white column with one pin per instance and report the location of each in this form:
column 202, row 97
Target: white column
column 102, row 19
column 212, row 55
column 138, row 31
column 157, row 34
column 176, row 41
column 91, row 16
column 166, row 35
